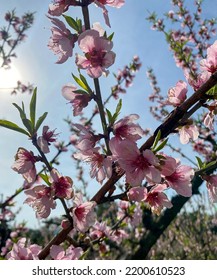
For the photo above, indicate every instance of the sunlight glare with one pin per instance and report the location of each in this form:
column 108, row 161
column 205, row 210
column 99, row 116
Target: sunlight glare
column 9, row 77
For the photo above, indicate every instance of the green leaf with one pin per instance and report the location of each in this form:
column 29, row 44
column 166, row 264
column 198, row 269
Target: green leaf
column 32, row 107
column 83, row 79
column 45, row 178
column 80, row 83
column 109, row 116
column 199, row 162
column 40, row 121
column 110, row 37
column 71, row 22
column 13, row 126
column 210, row 164
column 117, row 111
column 28, row 124
column 157, row 138
column 161, row 146
column 21, row 111
column 212, row 91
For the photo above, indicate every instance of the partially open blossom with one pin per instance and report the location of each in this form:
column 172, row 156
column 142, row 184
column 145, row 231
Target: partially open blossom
column 125, row 128
column 138, row 166
column 78, row 100
column 98, row 55
column 62, row 41
column 101, row 165
column 180, row 178
column 23, row 250
column 25, row 164
column 71, row 253
column 48, row 136
column 177, row 94
column 210, row 63
column 157, row 199
column 211, row 183
column 188, row 132
column 118, row 235
column 83, row 213
column 61, row 185
column 41, row 200
column 99, row 230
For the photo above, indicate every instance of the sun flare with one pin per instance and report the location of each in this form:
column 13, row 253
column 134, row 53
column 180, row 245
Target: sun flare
column 9, row 77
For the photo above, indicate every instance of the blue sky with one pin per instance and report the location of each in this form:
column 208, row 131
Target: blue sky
column 36, row 64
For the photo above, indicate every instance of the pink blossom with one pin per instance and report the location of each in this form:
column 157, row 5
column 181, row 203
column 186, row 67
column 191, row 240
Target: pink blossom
column 133, row 216
column 40, row 199
column 180, row 179
column 101, row 165
column 125, row 128
column 83, row 213
column 198, row 81
column 60, row 6
column 78, row 100
column 112, row 3
column 87, row 139
column 71, row 253
column 25, row 164
column 22, row 250
column 98, row 54
column 137, row 194
column 48, row 136
column 138, row 166
column 188, row 132
column 211, row 183
column 61, row 185
column 157, row 199
column 209, row 117
column 99, row 230
column 177, row 94
column 118, row 235
column 210, row 63
column 62, row 41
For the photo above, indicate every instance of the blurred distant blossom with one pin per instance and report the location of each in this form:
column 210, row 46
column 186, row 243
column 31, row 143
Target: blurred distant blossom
column 71, row 253
column 199, row 80
column 100, row 230
column 98, row 55
column 62, row 40
column 209, row 117
column 78, row 100
column 23, row 250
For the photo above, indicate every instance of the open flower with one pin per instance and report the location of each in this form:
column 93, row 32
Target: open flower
column 60, row 6
column 61, row 185
column 101, row 166
column 177, row 94
column 98, row 55
column 126, row 129
column 71, row 253
column 23, row 250
column 138, row 166
column 188, row 132
column 78, row 100
column 83, row 213
column 48, row 136
column 62, row 41
column 41, row 200
column 210, row 63
column 180, row 178
column 211, row 183
column 25, row 164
